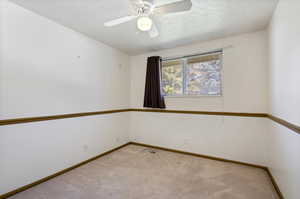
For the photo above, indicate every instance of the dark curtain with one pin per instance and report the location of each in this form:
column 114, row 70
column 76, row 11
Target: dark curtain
column 153, row 95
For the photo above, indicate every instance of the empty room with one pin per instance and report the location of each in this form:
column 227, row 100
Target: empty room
column 149, row 99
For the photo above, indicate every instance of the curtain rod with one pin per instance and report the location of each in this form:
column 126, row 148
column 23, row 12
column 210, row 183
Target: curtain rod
column 198, row 54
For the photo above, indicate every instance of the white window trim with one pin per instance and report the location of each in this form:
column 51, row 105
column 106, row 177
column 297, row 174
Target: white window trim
column 184, row 59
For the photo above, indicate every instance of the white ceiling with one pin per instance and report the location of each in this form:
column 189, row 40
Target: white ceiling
column 208, row 19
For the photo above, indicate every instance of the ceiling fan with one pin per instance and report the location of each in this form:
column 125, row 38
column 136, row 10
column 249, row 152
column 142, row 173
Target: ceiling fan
column 143, row 10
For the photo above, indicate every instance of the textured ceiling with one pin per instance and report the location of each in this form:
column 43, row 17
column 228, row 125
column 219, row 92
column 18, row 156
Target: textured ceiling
column 208, row 19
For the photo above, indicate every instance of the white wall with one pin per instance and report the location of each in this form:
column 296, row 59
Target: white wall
column 244, row 75
column 244, row 90
column 48, row 69
column 31, row 151
column 284, row 144
column 235, row 138
column 284, row 159
column 284, row 46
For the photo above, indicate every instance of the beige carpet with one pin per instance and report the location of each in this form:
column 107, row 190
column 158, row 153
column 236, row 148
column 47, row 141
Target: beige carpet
column 136, row 172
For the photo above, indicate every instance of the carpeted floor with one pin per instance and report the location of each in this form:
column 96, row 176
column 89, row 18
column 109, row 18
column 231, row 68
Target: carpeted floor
column 136, row 172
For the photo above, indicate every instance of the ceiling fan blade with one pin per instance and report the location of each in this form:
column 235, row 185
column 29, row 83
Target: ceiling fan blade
column 150, row 1
column 119, row 21
column 179, row 6
column 154, row 31
column 136, row 1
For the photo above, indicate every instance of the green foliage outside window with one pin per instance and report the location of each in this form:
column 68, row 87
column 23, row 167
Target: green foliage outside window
column 194, row 78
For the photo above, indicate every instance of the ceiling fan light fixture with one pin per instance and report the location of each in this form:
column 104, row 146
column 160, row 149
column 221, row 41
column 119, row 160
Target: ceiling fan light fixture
column 144, row 23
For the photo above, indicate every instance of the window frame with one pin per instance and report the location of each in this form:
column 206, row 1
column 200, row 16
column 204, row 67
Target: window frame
column 184, row 61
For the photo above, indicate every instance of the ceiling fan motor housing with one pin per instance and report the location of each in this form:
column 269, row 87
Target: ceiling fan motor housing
column 144, row 8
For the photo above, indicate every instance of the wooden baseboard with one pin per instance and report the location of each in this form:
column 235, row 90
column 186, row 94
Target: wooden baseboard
column 276, row 187
column 238, row 114
column 84, row 114
column 11, row 193
column 285, row 123
column 198, row 155
column 57, row 117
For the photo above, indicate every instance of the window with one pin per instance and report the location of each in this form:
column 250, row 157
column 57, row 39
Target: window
column 192, row 75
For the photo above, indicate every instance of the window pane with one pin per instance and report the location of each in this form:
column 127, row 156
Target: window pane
column 172, row 78
column 203, row 78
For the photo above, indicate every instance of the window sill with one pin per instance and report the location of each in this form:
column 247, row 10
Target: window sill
column 192, row 96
